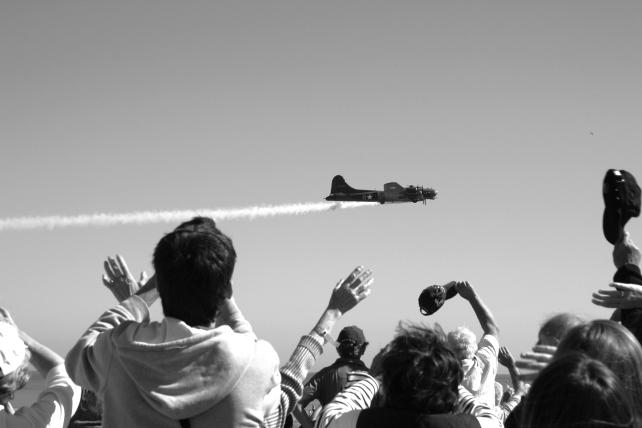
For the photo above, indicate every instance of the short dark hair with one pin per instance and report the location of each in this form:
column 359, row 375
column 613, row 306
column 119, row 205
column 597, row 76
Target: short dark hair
column 194, row 266
column 420, row 372
column 576, row 390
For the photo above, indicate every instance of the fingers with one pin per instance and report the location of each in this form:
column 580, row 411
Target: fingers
column 610, row 298
column 535, row 356
column 107, row 282
column 545, row 349
column 363, row 289
column 363, row 277
column 625, row 286
column 531, row 365
column 122, row 265
column 143, row 278
column 115, row 268
column 605, row 303
column 108, row 269
column 355, row 273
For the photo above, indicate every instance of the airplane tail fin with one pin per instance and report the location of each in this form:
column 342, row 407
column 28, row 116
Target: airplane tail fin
column 339, row 185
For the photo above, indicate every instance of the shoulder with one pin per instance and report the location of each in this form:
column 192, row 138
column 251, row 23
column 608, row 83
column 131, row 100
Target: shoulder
column 488, row 347
column 346, row 420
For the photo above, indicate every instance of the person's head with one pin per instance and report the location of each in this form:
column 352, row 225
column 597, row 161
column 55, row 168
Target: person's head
column 464, row 342
column 554, row 329
column 420, row 372
column 194, row 266
column 578, row 391
column 611, row 343
column 352, row 342
column 14, row 362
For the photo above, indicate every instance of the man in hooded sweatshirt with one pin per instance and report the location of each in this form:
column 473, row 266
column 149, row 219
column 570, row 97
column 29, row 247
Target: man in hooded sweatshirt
column 202, row 365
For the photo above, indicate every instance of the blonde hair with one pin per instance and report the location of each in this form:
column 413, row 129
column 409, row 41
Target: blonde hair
column 463, row 342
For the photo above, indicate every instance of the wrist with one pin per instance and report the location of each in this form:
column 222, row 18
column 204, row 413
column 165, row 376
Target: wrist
column 332, row 314
column 325, row 335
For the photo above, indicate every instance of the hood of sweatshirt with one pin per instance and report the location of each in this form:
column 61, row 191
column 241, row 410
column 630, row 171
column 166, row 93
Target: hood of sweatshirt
column 183, row 377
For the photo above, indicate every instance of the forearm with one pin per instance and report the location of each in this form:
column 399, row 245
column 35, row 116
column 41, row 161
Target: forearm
column 230, row 314
column 326, row 322
column 484, row 316
column 514, row 376
column 292, row 375
column 42, row 358
column 88, row 359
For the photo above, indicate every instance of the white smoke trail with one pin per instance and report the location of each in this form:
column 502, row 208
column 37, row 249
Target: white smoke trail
column 147, row 217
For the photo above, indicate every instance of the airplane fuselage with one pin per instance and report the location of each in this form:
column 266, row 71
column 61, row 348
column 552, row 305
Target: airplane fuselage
column 372, row 196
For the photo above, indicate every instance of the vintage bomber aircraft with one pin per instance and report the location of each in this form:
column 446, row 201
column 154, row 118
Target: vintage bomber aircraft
column 392, row 192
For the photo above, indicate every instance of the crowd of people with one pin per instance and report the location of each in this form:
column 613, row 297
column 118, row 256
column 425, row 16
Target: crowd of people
column 202, row 365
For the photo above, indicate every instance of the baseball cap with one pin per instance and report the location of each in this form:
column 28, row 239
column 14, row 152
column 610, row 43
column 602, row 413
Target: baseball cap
column 353, row 333
column 433, row 297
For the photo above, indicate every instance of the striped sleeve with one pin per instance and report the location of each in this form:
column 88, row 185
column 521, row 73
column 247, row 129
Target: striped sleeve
column 292, row 375
column 468, row 404
column 357, row 396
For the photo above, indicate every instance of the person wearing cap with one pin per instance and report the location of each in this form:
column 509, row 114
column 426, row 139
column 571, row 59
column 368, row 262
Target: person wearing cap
column 56, row 403
column 325, row 384
column 479, row 360
column 417, row 385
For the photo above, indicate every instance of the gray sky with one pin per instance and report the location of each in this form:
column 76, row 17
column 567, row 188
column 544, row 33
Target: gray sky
column 513, row 111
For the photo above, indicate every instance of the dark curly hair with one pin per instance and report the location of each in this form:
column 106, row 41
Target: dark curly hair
column 15, row 380
column 194, row 266
column 420, row 371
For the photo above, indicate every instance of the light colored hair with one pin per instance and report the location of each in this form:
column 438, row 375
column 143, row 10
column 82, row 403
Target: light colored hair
column 463, row 342
column 554, row 328
column 15, row 380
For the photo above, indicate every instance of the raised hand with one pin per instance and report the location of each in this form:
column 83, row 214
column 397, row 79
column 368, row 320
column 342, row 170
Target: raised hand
column 119, row 280
column 621, row 296
column 535, row 360
column 505, row 358
column 465, row 290
column 351, row 290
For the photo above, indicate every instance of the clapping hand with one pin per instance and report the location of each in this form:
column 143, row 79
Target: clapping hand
column 119, row 280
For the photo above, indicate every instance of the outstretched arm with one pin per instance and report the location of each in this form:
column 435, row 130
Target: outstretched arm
column 625, row 252
column 620, row 296
column 345, row 296
column 483, row 313
column 507, row 360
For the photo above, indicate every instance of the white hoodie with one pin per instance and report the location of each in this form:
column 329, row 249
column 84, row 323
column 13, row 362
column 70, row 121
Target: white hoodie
column 155, row 374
